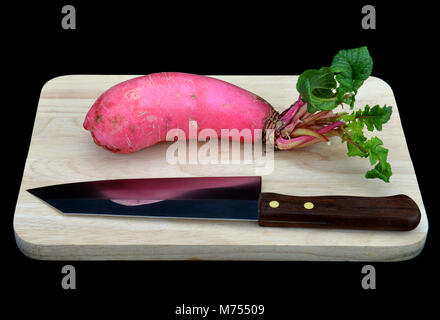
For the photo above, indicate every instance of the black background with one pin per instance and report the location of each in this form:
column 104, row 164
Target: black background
column 214, row 38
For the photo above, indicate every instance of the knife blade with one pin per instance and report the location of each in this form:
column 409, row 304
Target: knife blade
column 228, row 198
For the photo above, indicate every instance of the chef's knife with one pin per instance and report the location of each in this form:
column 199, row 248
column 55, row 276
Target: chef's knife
column 236, row 198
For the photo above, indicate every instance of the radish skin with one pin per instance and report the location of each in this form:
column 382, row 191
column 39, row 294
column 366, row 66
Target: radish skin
column 139, row 112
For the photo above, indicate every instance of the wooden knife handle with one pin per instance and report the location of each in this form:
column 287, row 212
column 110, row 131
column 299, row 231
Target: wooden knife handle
column 396, row 213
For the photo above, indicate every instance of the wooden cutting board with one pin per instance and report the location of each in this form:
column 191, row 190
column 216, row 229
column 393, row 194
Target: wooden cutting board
column 61, row 151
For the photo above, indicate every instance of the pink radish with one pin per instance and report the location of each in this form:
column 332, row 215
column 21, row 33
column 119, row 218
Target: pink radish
column 139, row 112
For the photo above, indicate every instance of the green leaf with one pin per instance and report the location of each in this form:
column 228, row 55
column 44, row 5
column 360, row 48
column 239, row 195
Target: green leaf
column 375, row 117
column 316, row 89
column 359, row 145
column 380, row 171
column 354, row 151
column 353, row 67
column 326, row 88
column 376, row 151
column 345, row 97
column 356, row 132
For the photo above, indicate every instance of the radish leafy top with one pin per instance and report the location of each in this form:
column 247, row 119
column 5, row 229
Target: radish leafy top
column 326, row 88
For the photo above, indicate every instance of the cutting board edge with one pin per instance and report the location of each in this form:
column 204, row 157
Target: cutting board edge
column 170, row 252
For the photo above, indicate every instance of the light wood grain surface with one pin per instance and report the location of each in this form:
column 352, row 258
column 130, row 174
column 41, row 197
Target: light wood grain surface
column 61, row 151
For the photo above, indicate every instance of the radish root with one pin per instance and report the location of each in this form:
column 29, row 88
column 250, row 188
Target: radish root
column 297, row 128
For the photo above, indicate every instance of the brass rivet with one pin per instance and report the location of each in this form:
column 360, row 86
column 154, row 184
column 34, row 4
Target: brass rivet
column 274, row 204
column 308, row 205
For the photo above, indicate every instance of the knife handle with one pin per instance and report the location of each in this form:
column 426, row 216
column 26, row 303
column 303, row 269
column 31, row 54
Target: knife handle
column 395, row 213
